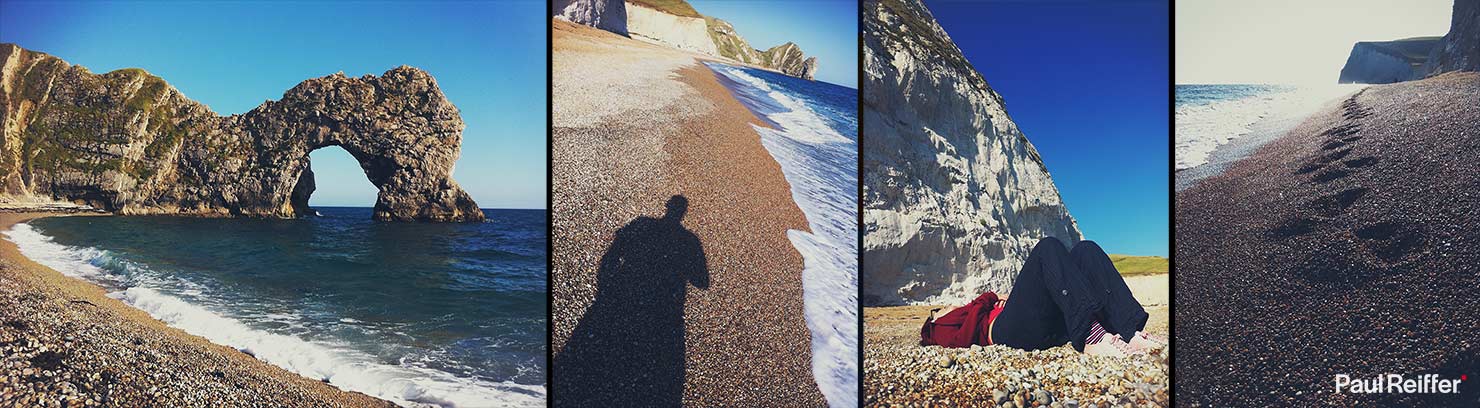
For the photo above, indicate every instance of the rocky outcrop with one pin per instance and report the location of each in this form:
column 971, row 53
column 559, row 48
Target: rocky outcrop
column 609, row 15
column 788, row 59
column 678, row 31
column 129, row 143
column 1385, row 62
column 729, row 42
column 954, row 195
column 1460, row 48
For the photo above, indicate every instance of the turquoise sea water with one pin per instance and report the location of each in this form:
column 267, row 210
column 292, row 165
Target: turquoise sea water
column 418, row 313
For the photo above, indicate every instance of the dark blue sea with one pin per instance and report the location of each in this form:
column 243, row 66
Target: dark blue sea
column 417, row 313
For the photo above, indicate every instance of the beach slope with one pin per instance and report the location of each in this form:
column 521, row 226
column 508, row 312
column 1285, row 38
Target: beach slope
column 673, row 278
column 1347, row 246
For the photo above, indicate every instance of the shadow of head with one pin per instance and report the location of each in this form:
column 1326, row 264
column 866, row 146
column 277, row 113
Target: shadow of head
column 677, row 207
column 628, row 348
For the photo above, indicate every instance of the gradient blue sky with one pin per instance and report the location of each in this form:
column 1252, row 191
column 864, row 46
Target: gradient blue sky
column 489, row 58
column 826, row 29
column 1087, row 82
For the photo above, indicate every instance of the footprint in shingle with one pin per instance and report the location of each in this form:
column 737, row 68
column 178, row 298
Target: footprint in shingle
column 1329, row 174
column 1360, row 162
column 1391, row 241
column 1294, row 227
column 1336, row 155
column 1346, row 129
column 1332, row 205
column 1310, row 167
column 1333, row 263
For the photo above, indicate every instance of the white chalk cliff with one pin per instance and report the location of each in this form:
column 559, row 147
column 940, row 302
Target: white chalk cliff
column 609, row 15
column 685, row 33
column 954, row 194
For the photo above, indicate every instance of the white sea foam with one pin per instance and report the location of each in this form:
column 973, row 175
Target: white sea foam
column 340, row 365
column 1201, row 128
column 821, row 166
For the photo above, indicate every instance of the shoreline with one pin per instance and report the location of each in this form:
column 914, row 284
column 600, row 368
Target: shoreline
column 64, row 338
column 636, row 124
column 1363, row 204
column 1261, row 132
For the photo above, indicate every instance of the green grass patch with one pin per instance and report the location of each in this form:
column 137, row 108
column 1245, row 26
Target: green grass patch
column 679, row 8
column 152, row 90
column 1130, row 265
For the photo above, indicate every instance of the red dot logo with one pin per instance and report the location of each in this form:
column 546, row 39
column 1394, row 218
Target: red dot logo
column 1463, row 377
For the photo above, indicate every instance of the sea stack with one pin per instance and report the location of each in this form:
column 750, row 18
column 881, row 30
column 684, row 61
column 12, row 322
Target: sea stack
column 954, row 194
column 129, row 143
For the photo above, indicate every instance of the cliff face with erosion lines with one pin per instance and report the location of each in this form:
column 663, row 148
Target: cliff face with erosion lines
column 609, row 15
column 1383, row 62
column 955, row 196
column 1460, row 48
column 675, row 23
column 129, row 143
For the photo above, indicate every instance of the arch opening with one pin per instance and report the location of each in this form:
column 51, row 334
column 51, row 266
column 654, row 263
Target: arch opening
column 333, row 177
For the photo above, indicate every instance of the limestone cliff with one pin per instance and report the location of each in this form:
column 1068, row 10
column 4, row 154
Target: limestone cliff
column 788, row 59
column 954, row 194
column 1382, row 62
column 609, row 15
column 677, row 24
column 129, row 143
column 1385, row 62
column 785, row 58
column 685, row 30
column 729, row 42
column 1460, row 48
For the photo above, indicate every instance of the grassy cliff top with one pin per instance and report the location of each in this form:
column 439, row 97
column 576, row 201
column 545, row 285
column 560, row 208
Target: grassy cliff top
column 679, row 8
column 1130, row 265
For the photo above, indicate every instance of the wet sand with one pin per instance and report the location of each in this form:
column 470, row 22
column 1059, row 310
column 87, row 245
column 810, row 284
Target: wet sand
column 1347, row 246
column 63, row 339
column 634, row 125
column 898, row 372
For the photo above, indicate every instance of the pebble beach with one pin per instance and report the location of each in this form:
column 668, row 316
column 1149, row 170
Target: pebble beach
column 898, row 372
column 634, row 125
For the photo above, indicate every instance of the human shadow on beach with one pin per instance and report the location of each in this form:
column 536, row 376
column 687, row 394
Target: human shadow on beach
column 628, row 348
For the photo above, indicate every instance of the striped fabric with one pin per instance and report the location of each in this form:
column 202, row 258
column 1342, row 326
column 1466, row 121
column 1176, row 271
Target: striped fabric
column 1096, row 333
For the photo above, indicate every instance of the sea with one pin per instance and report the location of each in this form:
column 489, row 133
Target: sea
column 814, row 137
column 1210, row 116
column 421, row 314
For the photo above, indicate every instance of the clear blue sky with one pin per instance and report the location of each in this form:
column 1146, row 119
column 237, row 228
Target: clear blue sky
column 826, row 29
column 489, row 58
column 1087, row 82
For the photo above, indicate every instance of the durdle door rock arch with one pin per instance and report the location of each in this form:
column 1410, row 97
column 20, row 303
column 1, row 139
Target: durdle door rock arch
column 129, row 143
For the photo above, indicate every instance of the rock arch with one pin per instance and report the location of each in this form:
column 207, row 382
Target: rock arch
column 399, row 127
column 127, row 142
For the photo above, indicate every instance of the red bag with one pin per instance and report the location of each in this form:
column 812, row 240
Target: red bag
column 962, row 327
